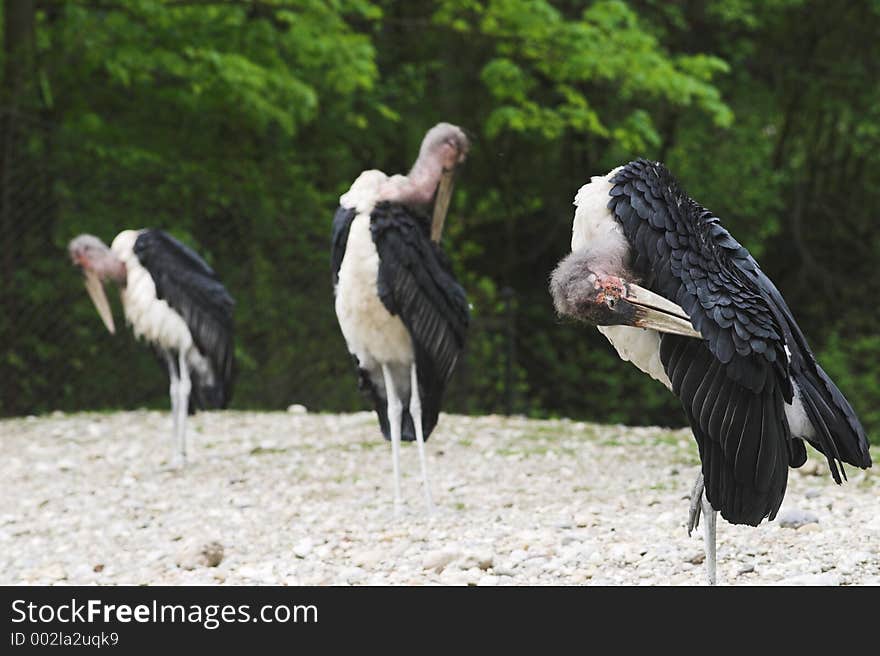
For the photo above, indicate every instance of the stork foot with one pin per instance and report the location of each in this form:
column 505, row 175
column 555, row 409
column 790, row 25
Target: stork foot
column 700, row 504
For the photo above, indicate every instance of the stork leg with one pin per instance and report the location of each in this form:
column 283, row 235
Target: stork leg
column 395, row 416
column 415, row 410
column 174, row 391
column 709, row 538
column 184, row 387
column 699, row 503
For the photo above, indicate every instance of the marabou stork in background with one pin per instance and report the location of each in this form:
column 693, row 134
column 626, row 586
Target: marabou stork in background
column 707, row 323
column 176, row 302
column 402, row 312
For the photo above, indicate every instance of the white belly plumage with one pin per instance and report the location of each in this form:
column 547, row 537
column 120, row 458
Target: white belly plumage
column 150, row 318
column 639, row 346
column 594, row 226
column 372, row 333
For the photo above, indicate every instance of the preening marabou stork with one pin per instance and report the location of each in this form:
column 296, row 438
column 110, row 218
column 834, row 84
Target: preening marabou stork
column 681, row 299
column 174, row 301
column 402, row 312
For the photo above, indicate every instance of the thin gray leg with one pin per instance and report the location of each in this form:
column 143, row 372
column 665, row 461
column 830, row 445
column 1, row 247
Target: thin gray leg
column 395, row 415
column 415, row 409
column 174, row 391
column 183, row 408
column 710, row 515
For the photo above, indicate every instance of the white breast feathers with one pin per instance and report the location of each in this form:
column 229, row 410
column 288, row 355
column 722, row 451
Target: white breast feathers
column 371, row 332
column 150, row 318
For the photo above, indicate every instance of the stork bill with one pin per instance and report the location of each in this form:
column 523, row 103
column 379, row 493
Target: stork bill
column 96, row 291
column 441, row 203
column 648, row 310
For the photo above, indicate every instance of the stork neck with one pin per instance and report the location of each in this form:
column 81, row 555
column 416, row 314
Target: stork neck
column 112, row 268
column 422, row 181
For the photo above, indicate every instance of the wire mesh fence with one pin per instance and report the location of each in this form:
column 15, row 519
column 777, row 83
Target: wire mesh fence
column 57, row 354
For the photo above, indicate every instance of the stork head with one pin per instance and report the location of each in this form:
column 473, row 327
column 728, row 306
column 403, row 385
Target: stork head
column 444, row 147
column 583, row 289
column 98, row 263
column 446, row 144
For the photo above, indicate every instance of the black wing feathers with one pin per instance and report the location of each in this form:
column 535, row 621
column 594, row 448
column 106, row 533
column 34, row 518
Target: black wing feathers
column 416, row 282
column 735, row 382
column 739, row 434
column 339, row 238
column 732, row 383
column 840, row 435
column 186, row 282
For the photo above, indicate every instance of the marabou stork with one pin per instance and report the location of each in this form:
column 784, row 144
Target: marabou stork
column 174, row 301
column 402, row 313
column 711, row 326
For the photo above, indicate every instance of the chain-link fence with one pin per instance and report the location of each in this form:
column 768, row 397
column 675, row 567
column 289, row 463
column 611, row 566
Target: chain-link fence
column 57, row 354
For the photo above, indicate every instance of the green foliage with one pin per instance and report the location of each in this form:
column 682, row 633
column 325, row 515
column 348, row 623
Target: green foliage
column 547, row 67
column 238, row 125
column 853, row 364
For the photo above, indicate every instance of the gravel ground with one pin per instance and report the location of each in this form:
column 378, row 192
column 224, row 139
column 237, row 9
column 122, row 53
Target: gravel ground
column 296, row 498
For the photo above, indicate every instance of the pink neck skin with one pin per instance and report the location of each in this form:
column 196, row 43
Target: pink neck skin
column 109, row 267
column 419, row 185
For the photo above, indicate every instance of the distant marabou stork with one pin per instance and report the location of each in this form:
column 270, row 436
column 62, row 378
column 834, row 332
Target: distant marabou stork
column 402, row 312
column 681, row 299
column 176, row 302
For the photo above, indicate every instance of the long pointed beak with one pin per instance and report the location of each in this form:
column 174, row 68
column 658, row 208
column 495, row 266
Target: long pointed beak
column 441, row 203
column 95, row 288
column 658, row 313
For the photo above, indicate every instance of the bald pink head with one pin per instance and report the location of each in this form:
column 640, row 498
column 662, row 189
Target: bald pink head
column 93, row 255
column 445, row 145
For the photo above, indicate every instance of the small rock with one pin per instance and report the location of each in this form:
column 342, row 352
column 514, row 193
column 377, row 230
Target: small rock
column 826, row 578
column 303, row 548
column 812, row 493
column 353, row 574
column 195, row 554
column 809, row 528
column 746, row 569
column 481, row 561
column 297, row 409
column 438, row 560
column 248, row 572
column 696, row 558
column 98, row 568
column 623, row 553
column 368, row 558
column 585, row 519
column 794, row 518
column 53, row 572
